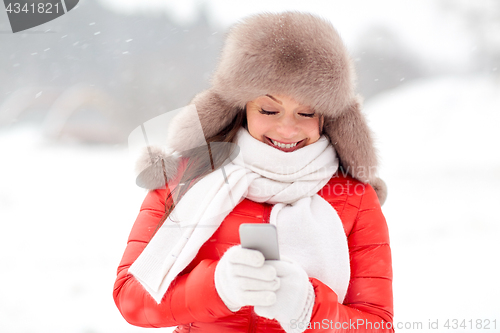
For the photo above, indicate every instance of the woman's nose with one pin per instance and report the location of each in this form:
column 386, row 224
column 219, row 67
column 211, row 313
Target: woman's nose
column 288, row 127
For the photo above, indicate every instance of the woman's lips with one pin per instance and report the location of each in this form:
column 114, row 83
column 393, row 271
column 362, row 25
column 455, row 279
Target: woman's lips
column 299, row 145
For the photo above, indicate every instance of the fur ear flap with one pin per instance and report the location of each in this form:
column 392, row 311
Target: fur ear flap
column 381, row 189
column 214, row 112
column 352, row 139
column 211, row 112
column 155, row 167
column 187, row 131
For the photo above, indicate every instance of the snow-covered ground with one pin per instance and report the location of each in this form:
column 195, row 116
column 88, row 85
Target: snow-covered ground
column 65, row 214
column 66, row 210
column 440, row 149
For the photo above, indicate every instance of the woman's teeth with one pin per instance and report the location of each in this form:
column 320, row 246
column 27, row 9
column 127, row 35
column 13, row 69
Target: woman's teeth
column 282, row 145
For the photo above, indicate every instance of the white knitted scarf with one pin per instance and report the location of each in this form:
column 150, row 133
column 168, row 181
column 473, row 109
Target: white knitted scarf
column 309, row 229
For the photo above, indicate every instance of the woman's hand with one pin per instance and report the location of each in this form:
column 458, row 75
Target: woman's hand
column 294, row 299
column 243, row 277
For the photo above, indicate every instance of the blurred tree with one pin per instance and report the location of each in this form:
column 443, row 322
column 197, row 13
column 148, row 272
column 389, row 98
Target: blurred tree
column 482, row 18
column 383, row 62
column 145, row 62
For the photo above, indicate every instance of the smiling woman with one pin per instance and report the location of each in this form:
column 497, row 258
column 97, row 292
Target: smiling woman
column 283, row 94
column 282, row 123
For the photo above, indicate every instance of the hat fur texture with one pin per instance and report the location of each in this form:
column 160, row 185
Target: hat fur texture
column 290, row 53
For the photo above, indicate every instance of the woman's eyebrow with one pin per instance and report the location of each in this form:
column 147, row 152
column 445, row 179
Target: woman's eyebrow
column 274, row 99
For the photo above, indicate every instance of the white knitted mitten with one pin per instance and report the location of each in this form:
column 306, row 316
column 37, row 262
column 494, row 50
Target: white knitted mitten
column 294, row 299
column 242, row 277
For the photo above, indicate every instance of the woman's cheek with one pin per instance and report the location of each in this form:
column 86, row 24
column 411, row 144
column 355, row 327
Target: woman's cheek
column 313, row 130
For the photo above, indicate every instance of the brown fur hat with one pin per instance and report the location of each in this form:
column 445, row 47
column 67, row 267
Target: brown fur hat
column 289, row 53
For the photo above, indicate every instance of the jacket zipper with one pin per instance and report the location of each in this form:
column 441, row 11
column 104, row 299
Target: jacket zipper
column 253, row 319
column 267, row 213
column 253, row 316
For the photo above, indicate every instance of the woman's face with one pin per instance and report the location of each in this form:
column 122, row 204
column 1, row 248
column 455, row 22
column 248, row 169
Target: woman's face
column 282, row 123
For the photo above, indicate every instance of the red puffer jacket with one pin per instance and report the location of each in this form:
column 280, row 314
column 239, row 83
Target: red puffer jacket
column 192, row 301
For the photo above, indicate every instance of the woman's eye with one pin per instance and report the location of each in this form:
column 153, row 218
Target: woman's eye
column 308, row 115
column 267, row 112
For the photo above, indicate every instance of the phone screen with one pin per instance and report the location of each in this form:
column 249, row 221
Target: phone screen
column 262, row 237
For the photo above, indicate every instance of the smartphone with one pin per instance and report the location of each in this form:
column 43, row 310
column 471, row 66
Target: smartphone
column 262, row 237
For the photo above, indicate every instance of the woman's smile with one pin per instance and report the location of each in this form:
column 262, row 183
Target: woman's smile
column 285, row 146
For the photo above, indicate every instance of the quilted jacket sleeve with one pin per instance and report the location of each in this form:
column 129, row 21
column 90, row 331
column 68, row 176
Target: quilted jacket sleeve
column 367, row 306
column 178, row 306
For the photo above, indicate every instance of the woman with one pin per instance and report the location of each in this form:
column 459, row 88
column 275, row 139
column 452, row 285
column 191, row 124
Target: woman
column 287, row 145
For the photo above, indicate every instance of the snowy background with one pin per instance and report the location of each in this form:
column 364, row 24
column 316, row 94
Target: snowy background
column 67, row 200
